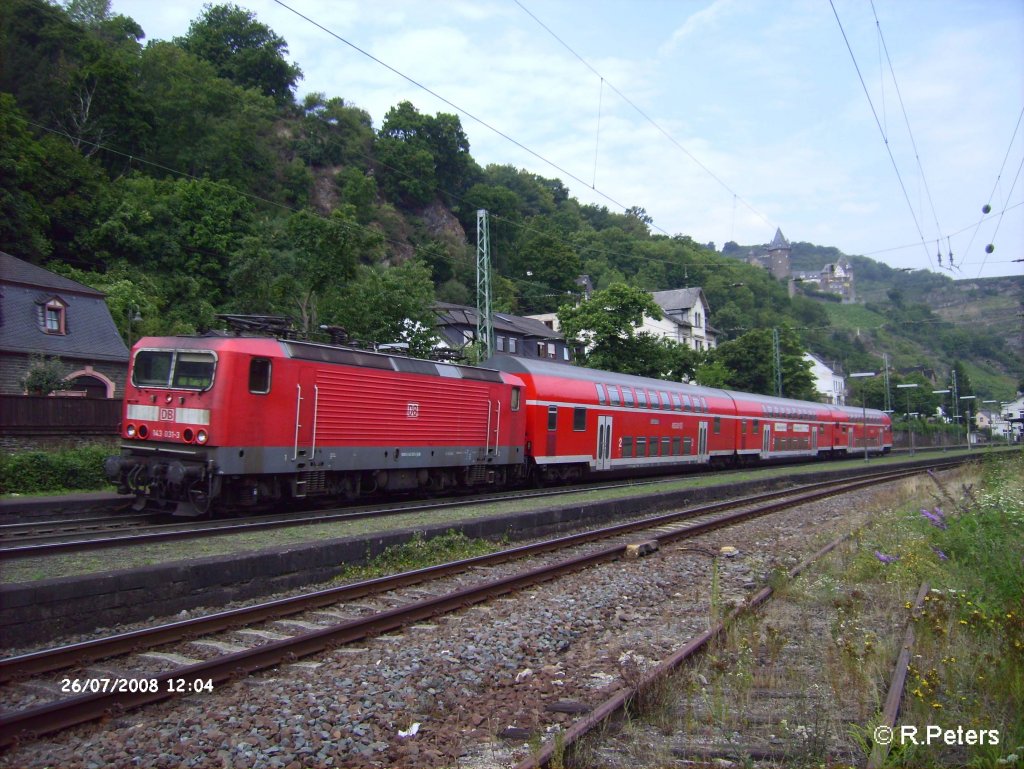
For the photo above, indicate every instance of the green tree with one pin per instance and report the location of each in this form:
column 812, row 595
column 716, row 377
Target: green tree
column 204, row 125
column 388, row 306
column 750, row 359
column 320, row 257
column 44, row 376
column 242, row 50
column 606, row 328
column 47, row 190
column 421, row 156
column 331, row 132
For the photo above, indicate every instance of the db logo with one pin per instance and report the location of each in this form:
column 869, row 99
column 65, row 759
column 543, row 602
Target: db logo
column 166, row 415
column 412, row 410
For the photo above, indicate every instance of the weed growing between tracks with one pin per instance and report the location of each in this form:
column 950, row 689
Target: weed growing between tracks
column 803, row 682
column 967, row 668
column 418, row 553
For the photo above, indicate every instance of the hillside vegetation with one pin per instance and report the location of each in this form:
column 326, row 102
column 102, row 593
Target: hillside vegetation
column 184, row 179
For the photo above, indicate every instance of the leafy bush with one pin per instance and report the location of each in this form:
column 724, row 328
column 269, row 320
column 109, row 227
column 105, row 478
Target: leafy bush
column 34, row 472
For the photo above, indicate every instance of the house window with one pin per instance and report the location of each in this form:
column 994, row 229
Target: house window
column 501, row 343
column 512, row 345
column 54, row 317
column 541, row 347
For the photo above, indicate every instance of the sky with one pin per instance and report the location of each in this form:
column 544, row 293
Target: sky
column 723, row 119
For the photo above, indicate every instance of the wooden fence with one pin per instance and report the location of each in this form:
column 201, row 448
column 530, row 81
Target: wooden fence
column 44, row 415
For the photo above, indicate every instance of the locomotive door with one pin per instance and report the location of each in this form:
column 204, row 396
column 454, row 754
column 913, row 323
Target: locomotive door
column 307, row 397
column 702, row 438
column 604, row 443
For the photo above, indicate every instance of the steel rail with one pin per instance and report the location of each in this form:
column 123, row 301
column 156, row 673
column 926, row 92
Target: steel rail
column 621, row 698
column 48, row 660
column 168, row 532
column 880, row 750
column 54, row 716
column 172, row 531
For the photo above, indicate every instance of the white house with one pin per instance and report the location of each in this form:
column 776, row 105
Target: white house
column 829, row 385
column 685, row 320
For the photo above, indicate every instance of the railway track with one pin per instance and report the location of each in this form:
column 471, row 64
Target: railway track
column 32, row 539
column 156, row 684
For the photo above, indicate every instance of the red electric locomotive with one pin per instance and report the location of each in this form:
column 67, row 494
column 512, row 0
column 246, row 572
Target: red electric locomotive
column 229, row 421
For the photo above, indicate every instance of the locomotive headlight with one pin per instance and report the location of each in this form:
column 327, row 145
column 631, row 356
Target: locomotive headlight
column 202, row 437
column 130, row 431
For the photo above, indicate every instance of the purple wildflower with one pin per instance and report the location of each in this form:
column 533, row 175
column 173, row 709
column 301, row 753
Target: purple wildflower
column 942, row 556
column 886, row 558
column 935, row 520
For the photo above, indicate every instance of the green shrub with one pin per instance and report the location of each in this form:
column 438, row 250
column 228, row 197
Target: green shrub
column 36, row 472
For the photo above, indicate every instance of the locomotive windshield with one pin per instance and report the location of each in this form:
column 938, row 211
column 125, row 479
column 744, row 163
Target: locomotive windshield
column 174, row 368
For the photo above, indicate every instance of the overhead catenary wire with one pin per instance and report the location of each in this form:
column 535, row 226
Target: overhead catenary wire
column 452, row 104
column 648, row 118
column 881, row 130
column 906, row 120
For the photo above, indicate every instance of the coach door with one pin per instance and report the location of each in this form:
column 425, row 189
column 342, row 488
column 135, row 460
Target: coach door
column 604, row 443
column 702, row 438
column 766, row 440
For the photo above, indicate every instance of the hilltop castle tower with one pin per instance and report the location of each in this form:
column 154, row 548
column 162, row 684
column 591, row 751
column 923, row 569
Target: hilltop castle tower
column 777, row 258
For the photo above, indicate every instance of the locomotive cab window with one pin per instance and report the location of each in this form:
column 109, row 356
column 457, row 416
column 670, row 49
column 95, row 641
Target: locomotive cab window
column 259, row 376
column 516, row 398
column 174, row 368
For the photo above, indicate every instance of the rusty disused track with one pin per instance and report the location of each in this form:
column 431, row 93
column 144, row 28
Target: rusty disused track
column 62, row 714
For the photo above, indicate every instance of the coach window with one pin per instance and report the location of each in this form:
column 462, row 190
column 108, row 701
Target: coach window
column 687, row 446
column 579, row 419
column 718, row 425
column 652, row 446
column 676, row 443
column 743, row 426
column 627, row 446
column 687, row 406
column 516, row 398
column 756, row 427
column 641, row 447
column 259, row 376
column 641, row 398
column 665, row 402
column 552, row 417
column 613, row 395
column 627, row 396
column 601, row 397
column 665, row 441
column 676, row 405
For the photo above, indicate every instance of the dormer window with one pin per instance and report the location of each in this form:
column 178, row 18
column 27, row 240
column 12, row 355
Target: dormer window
column 55, row 317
